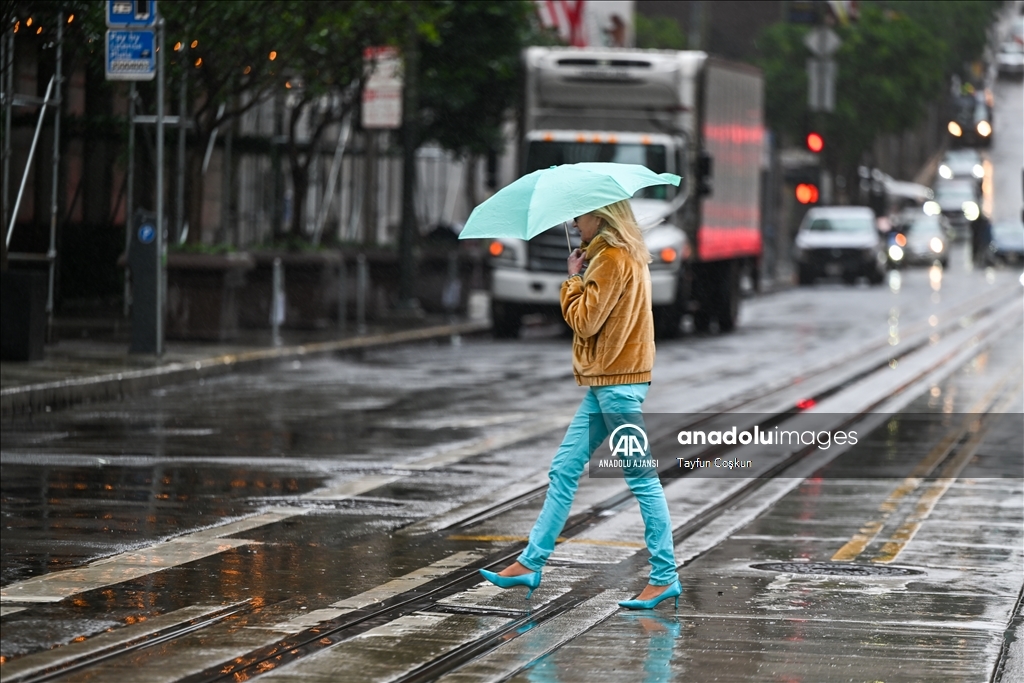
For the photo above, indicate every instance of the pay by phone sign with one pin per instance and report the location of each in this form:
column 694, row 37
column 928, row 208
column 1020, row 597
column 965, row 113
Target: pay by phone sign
column 130, row 55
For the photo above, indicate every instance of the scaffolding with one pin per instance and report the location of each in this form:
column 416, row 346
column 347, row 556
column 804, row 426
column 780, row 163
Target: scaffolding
column 51, row 100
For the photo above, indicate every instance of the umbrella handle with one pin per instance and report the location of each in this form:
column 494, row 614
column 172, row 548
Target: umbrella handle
column 565, row 224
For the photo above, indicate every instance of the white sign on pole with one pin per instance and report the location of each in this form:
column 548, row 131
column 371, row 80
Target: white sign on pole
column 823, row 41
column 821, row 84
column 382, row 93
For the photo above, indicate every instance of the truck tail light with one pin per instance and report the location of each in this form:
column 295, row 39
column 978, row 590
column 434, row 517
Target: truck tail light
column 496, row 249
column 668, row 255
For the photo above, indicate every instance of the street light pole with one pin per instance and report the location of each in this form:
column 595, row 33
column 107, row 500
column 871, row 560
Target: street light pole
column 160, row 223
column 410, row 140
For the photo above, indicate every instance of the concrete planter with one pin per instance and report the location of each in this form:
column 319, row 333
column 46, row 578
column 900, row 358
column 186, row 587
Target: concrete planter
column 311, row 290
column 203, row 301
column 22, row 315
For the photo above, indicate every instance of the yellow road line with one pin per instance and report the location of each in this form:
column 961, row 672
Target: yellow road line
column 906, row 531
column 931, row 496
column 867, row 533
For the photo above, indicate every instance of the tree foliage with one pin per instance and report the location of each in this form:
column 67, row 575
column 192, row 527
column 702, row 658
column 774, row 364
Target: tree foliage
column 889, row 69
column 239, row 54
column 661, row 33
column 471, row 73
column 961, row 26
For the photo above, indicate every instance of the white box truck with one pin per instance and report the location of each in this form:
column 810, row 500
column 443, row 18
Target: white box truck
column 677, row 111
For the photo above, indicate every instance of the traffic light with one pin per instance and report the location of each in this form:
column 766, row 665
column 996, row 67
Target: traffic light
column 815, row 142
column 807, row 193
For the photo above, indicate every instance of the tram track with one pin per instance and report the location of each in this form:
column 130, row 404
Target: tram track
column 426, row 597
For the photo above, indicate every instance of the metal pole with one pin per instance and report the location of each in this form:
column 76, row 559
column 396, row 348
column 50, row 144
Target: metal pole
column 332, row 181
column 361, row 287
column 179, row 204
column 342, row 296
column 129, row 206
column 51, row 253
column 28, row 163
column 8, row 42
column 277, row 301
column 160, row 187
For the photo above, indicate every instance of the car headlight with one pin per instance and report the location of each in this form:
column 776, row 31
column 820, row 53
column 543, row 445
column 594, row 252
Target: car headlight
column 954, row 129
column 936, row 245
column 971, row 211
column 932, row 208
column 978, row 171
column 896, row 252
column 984, row 128
column 946, row 172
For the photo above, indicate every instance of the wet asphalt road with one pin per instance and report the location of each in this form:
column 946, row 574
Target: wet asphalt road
column 345, row 473
column 307, row 494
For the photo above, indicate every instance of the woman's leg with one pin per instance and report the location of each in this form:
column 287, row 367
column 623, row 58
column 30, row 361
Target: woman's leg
column 621, row 404
column 564, row 475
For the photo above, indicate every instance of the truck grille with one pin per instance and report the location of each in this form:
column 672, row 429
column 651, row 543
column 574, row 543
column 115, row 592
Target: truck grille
column 850, row 257
column 547, row 251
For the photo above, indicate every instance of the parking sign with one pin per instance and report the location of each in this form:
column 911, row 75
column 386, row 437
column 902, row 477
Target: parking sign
column 130, row 55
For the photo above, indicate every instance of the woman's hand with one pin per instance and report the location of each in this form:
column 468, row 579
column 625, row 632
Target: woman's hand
column 576, row 261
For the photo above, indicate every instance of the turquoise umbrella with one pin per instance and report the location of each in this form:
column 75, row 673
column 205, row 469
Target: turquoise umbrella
column 543, row 199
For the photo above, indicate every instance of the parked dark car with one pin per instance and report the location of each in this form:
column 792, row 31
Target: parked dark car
column 1007, row 245
column 917, row 239
column 839, row 241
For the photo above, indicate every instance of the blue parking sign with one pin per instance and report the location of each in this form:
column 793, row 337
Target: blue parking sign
column 131, row 13
column 130, row 55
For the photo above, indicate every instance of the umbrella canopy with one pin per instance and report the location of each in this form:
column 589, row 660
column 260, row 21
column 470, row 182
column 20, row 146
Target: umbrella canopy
column 543, row 199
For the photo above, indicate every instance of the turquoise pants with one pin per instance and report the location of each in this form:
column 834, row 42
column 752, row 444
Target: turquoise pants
column 614, row 404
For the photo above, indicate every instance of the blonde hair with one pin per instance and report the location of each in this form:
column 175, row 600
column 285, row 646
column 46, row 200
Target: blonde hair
column 619, row 229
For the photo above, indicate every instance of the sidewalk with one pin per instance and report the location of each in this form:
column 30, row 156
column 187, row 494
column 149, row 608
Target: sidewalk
column 87, row 370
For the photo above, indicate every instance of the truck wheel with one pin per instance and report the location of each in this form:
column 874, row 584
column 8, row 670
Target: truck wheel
column 805, row 276
column 701, row 321
column 667, row 320
column 728, row 308
column 506, row 320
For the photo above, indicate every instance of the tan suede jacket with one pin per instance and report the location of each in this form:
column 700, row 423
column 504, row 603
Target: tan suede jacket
column 609, row 311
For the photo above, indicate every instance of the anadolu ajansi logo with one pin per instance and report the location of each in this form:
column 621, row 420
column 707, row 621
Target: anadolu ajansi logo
column 625, row 441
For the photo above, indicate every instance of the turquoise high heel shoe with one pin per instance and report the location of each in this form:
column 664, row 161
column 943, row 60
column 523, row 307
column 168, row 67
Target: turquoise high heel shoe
column 673, row 591
column 531, row 580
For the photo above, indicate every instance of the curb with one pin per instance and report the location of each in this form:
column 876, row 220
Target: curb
column 49, row 396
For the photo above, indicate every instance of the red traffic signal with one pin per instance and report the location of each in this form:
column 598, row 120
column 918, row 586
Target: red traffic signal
column 815, row 142
column 806, row 193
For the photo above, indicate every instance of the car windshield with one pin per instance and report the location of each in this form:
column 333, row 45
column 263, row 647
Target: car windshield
column 923, row 226
column 950, row 193
column 544, row 154
column 963, row 156
column 842, row 224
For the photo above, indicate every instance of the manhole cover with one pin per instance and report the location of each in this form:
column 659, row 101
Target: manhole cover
column 835, row 569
